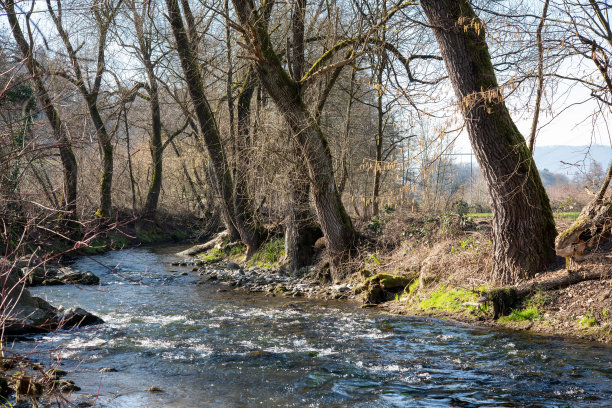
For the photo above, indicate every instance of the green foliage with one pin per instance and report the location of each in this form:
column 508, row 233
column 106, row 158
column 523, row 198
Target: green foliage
column 413, row 286
column 539, row 299
column 237, row 251
column 604, row 313
column 377, row 223
column 374, row 259
column 269, row 254
column 528, row 314
column 531, row 308
column 445, row 298
column 421, row 232
column 588, row 320
column 467, row 244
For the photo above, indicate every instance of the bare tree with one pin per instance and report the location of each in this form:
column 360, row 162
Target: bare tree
column 523, row 224
column 248, row 233
column 104, row 14
column 285, row 92
column 27, row 49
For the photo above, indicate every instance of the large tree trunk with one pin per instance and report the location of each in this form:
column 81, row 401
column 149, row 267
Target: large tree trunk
column 523, row 224
column 301, row 230
column 221, row 173
column 69, row 163
column 284, row 91
column 245, row 214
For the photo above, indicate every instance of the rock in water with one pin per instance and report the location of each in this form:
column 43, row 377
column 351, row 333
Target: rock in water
column 26, row 314
column 76, row 317
column 75, row 276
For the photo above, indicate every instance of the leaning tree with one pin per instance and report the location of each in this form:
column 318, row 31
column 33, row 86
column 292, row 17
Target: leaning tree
column 523, row 223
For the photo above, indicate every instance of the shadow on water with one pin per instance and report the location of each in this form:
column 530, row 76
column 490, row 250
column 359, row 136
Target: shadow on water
column 207, row 348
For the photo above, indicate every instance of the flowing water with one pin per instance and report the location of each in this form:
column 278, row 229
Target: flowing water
column 204, row 347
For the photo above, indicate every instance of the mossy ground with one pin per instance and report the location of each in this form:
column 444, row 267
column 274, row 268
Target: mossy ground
column 453, row 258
column 270, row 254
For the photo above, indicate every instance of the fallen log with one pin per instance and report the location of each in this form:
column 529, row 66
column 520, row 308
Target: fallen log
column 197, row 249
column 505, row 299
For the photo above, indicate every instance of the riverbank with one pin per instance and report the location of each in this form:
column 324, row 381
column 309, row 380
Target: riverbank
column 435, row 267
column 170, row 342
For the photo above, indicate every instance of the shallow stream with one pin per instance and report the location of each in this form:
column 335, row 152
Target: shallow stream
column 209, row 348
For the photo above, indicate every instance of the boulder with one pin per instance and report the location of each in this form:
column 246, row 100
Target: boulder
column 383, row 287
column 48, row 276
column 75, row 276
column 233, row 266
column 23, row 313
column 76, row 317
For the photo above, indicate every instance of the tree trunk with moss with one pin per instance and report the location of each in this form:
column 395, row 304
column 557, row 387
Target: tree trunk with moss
column 523, row 224
column 301, row 230
column 285, row 92
column 106, row 178
column 592, row 227
column 155, row 144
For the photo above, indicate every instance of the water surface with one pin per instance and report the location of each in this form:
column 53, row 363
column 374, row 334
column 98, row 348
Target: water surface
column 206, row 348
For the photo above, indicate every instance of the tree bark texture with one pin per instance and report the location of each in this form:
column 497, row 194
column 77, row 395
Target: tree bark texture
column 379, row 137
column 69, row 163
column 245, row 214
column 301, row 230
column 284, row 91
column 523, row 224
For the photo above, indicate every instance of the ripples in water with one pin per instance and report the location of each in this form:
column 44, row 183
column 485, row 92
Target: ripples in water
column 204, row 348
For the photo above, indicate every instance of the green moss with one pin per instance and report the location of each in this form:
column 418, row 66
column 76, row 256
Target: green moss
column 529, row 313
column 95, row 247
column 118, row 241
column 413, row 286
column 445, row 298
column 580, row 220
column 152, row 235
column 269, row 254
column 212, row 255
column 588, row 320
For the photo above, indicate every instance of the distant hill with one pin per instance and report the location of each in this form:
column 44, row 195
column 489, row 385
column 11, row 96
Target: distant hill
column 571, row 160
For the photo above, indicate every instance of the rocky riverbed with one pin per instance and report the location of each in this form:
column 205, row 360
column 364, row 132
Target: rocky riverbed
column 272, row 281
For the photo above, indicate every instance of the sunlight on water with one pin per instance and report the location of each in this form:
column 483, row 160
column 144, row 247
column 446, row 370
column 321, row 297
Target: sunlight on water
column 208, row 349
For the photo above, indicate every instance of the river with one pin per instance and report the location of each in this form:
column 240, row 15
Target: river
column 207, row 347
